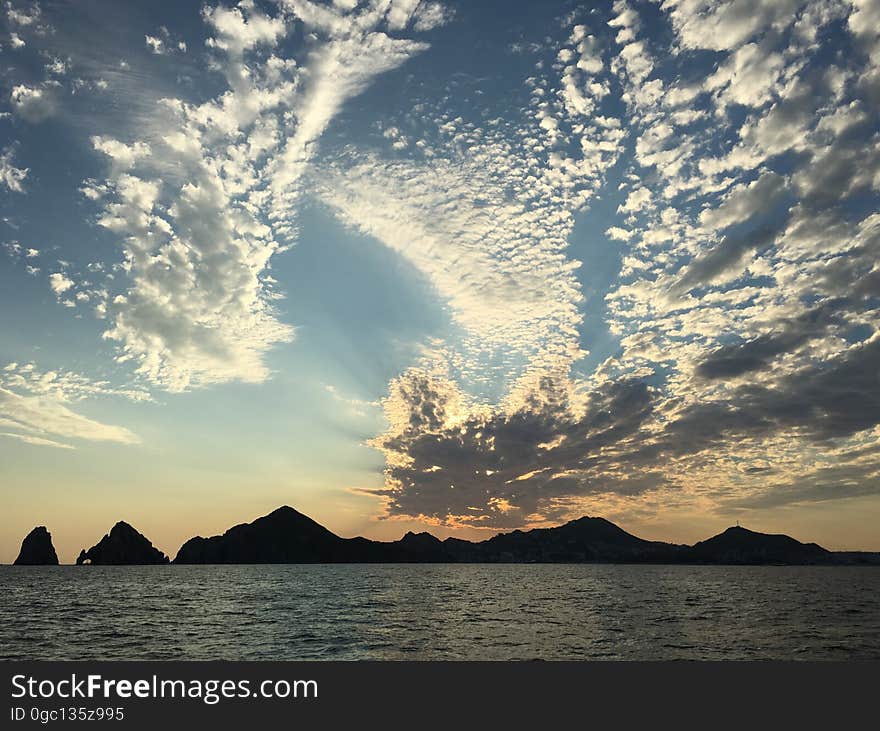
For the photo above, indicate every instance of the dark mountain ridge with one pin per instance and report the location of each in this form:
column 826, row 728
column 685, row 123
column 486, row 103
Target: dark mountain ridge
column 742, row 546
column 288, row 536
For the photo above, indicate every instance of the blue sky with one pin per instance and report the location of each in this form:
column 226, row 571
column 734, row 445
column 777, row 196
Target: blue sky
column 470, row 266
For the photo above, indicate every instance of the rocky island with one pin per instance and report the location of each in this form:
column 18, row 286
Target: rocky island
column 122, row 546
column 37, row 549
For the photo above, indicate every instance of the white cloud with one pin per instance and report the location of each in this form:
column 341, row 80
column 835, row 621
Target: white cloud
column 484, row 213
column 164, row 43
column 154, row 44
column 722, row 241
column 62, row 386
column 749, row 76
column 200, row 213
column 864, row 22
column 11, row 177
column 33, row 103
column 36, row 406
column 727, row 24
column 745, row 201
column 36, row 441
column 123, row 156
column 59, row 282
column 23, row 16
column 37, row 415
column 340, row 67
column 504, row 288
column 429, row 15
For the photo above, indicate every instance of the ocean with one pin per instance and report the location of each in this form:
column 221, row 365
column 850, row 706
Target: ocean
column 440, row 612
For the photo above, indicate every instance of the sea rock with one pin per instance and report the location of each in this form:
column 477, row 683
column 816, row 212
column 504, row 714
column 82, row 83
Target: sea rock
column 122, row 546
column 37, row 549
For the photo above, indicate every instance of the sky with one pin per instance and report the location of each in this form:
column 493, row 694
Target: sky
column 456, row 266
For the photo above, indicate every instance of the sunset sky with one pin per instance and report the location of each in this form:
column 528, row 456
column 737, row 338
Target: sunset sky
column 461, row 266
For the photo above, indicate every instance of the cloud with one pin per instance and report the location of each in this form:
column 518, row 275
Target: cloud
column 845, row 475
column 834, row 400
column 34, row 103
column 36, row 407
column 727, row 24
column 484, row 213
column 745, row 309
column 748, row 77
column 734, row 360
column 840, row 170
column 503, row 290
column 23, row 16
column 11, row 177
column 35, row 415
column 745, row 201
column 452, row 462
column 734, row 160
column 123, row 156
column 200, row 212
column 350, row 52
column 63, row 386
column 59, row 283
column 164, row 43
column 36, row 441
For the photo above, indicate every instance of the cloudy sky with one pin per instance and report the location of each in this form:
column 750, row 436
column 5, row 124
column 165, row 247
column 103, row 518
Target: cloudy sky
column 468, row 266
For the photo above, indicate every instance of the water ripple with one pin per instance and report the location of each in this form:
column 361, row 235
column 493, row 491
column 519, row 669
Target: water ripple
column 470, row 612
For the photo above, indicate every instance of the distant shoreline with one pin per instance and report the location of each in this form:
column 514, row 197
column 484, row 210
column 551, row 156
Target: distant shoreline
column 286, row 536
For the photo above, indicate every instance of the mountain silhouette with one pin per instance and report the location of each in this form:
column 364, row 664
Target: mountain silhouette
column 742, row 546
column 122, row 546
column 283, row 536
column 37, row 549
column 288, row 536
column 583, row 540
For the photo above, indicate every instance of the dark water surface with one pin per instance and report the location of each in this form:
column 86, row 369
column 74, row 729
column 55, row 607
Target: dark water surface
column 422, row 612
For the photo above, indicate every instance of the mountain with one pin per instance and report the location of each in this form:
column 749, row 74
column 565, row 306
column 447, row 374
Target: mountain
column 37, row 549
column 583, row 540
column 283, row 536
column 288, row 536
column 122, row 546
column 741, row 546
